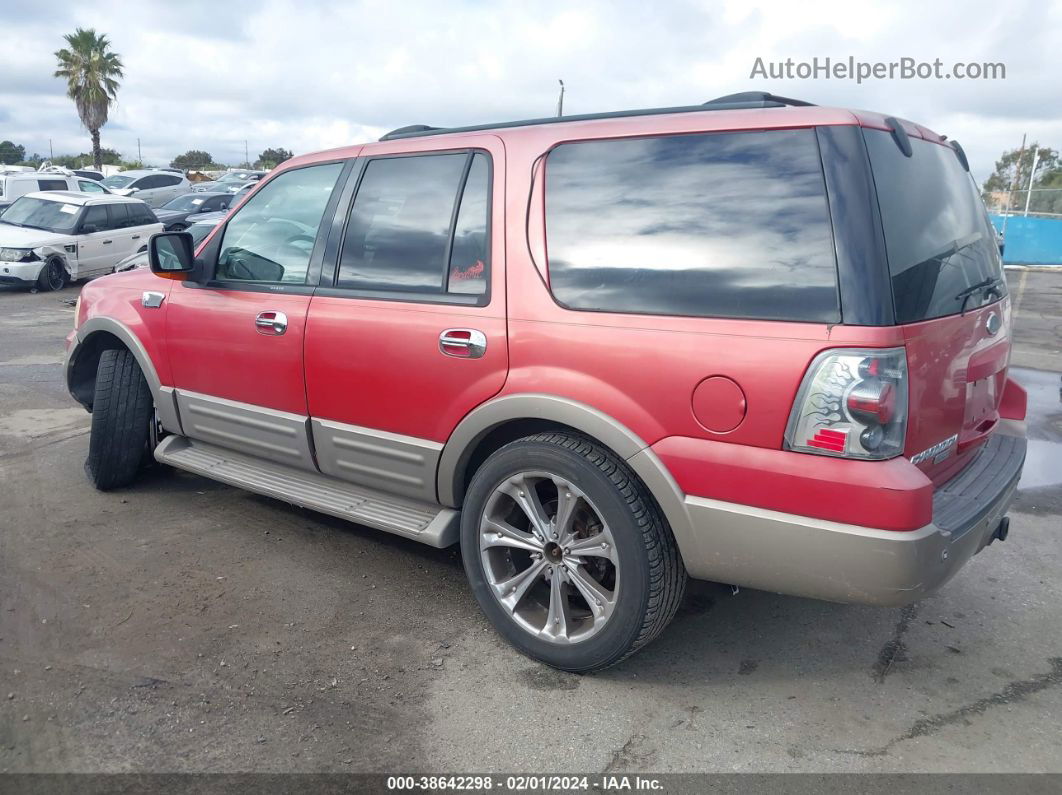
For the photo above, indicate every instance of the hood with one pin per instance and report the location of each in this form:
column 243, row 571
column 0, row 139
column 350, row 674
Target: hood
column 22, row 237
column 169, row 215
column 138, row 260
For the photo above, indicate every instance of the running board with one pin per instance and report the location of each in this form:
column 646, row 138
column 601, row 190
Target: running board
column 430, row 524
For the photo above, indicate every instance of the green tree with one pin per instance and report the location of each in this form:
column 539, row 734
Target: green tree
column 91, row 72
column 193, row 158
column 271, row 158
column 11, row 153
column 1013, row 168
column 108, row 157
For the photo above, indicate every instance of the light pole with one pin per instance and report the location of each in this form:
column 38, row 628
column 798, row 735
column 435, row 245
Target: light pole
column 560, row 100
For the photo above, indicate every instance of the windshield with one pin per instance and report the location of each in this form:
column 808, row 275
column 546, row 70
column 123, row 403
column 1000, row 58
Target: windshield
column 233, row 178
column 117, row 181
column 199, row 233
column 42, row 214
column 184, row 203
column 942, row 250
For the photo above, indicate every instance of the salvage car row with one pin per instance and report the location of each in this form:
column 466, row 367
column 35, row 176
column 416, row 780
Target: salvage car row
column 57, row 226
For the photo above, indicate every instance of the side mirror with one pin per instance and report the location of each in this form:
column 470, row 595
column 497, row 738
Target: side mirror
column 88, row 229
column 171, row 255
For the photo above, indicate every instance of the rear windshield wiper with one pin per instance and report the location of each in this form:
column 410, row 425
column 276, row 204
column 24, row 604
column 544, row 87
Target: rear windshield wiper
column 986, row 287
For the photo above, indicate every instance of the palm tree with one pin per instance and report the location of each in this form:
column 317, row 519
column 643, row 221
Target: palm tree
column 91, row 72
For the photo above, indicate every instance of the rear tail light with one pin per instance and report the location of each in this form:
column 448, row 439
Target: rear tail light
column 852, row 403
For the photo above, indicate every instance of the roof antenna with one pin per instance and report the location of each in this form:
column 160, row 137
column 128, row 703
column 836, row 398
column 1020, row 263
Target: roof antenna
column 560, row 100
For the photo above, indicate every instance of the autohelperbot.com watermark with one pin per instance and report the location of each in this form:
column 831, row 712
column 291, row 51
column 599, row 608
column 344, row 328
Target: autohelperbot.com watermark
column 851, row 68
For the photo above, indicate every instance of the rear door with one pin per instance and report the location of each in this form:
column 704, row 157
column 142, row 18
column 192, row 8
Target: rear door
column 236, row 343
column 408, row 333
column 950, row 297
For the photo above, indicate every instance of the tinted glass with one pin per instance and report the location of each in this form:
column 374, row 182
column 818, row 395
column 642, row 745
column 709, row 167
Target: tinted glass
column 272, row 236
column 470, row 253
column 168, row 181
column 141, row 215
column 938, row 238
column 122, row 216
column 51, row 184
column 97, row 216
column 399, row 227
column 725, row 224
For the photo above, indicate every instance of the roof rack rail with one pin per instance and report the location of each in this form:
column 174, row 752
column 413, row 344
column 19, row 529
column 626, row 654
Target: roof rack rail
column 768, row 100
column 409, row 129
column 743, row 101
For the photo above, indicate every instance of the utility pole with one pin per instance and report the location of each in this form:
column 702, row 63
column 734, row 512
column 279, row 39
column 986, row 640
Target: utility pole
column 139, row 157
column 560, row 100
column 246, row 156
column 51, row 154
column 1032, row 176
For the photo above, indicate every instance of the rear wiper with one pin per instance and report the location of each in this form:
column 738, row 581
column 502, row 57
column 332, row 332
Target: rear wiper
column 986, row 286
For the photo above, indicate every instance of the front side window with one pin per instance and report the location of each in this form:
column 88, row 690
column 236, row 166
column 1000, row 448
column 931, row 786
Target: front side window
column 272, row 236
column 709, row 225
column 88, row 186
column 419, row 225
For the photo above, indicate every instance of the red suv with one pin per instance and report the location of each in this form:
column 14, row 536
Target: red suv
column 753, row 341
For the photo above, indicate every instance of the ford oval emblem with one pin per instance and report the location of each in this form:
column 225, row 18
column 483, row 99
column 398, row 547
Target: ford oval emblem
column 993, row 324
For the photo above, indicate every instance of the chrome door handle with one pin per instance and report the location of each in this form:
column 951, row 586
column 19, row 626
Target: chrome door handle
column 107, row 242
column 136, row 237
column 272, row 323
column 463, row 343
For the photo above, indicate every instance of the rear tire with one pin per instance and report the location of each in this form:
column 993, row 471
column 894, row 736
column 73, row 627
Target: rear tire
column 122, row 410
column 52, row 276
column 611, row 574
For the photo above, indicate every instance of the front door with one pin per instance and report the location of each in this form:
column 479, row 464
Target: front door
column 236, row 343
column 408, row 334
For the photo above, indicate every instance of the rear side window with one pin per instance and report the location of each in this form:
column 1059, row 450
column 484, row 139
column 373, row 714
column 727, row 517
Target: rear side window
column 141, row 215
column 97, row 216
column 938, row 238
column 119, row 215
column 714, row 225
column 51, row 184
column 419, row 225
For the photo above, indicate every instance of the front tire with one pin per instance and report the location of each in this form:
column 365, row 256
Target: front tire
column 122, row 410
column 52, row 276
column 568, row 554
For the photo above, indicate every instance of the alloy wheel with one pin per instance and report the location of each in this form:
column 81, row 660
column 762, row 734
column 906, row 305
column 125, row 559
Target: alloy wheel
column 548, row 557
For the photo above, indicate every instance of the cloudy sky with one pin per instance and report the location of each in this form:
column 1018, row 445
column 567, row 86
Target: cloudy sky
column 310, row 75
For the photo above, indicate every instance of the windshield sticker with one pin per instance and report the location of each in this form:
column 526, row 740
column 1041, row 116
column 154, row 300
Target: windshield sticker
column 70, row 209
column 197, row 201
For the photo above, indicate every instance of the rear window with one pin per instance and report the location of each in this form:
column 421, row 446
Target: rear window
column 938, row 237
column 712, row 225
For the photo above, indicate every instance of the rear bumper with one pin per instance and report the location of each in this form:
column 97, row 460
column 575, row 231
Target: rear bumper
column 838, row 562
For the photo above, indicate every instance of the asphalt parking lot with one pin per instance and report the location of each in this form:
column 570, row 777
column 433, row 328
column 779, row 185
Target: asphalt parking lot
column 182, row 625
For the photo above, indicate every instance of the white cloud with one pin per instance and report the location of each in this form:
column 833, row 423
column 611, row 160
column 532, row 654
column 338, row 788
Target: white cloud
column 311, row 75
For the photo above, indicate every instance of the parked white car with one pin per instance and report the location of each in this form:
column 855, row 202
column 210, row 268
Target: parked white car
column 14, row 184
column 151, row 186
column 50, row 238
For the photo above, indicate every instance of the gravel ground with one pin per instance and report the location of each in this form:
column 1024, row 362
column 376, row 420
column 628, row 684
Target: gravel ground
column 182, row 625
